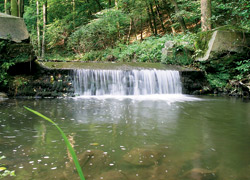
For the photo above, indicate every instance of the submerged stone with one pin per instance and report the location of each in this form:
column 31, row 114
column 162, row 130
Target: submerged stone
column 200, row 174
column 142, row 157
column 113, row 175
column 93, row 162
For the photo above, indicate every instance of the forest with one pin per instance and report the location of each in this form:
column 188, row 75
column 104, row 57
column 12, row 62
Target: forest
column 130, row 30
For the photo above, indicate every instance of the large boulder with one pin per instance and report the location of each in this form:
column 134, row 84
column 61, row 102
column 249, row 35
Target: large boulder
column 176, row 53
column 212, row 44
column 15, row 48
column 13, row 28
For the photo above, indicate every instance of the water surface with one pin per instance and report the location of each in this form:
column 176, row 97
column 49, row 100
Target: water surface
column 175, row 138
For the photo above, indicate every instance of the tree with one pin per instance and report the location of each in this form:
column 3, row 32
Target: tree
column 38, row 29
column 7, row 6
column 20, row 4
column 179, row 17
column 14, row 8
column 44, row 28
column 206, row 15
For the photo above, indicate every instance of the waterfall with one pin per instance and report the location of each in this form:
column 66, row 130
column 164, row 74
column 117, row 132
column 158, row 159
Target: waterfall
column 120, row 82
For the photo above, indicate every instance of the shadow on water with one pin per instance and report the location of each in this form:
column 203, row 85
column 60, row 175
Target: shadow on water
column 128, row 138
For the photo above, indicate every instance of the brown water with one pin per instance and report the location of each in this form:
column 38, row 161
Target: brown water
column 128, row 138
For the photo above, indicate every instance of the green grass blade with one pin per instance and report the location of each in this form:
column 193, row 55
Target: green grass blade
column 71, row 150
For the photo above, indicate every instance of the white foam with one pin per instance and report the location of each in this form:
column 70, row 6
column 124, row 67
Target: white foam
column 152, row 97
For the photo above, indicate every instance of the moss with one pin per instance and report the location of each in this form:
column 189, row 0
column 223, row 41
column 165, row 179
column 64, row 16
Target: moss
column 231, row 28
column 110, row 66
column 201, row 42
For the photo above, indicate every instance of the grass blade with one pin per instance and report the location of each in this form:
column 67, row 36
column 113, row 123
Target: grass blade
column 71, row 150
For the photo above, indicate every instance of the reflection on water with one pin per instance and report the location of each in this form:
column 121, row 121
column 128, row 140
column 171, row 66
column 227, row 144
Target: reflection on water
column 177, row 138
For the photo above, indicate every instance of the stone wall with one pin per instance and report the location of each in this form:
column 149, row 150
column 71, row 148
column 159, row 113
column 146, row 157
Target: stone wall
column 41, row 82
column 193, row 82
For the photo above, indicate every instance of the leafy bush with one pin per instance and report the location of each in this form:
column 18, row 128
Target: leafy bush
column 99, row 33
column 243, row 69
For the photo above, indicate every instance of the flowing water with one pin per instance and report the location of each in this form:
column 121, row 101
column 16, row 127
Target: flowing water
column 119, row 82
column 128, row 125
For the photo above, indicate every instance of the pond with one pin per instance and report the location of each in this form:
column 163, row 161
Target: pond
column 174, row 137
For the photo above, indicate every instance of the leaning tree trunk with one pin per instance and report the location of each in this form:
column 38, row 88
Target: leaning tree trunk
column 159, row 15
column 206, row 15
column 179, row 17
column 167, row 9
column 154, row 19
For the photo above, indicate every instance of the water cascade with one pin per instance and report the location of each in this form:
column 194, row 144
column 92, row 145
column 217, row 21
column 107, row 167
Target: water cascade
column 120, row 82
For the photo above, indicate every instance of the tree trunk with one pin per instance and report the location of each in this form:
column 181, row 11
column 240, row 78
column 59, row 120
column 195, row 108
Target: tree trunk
column 74, row 10
column 7, row 6
column 154, row 19
column 116, row 4
column 44, row 29
column 150, row 20
column 179, row 18
column 130, row 30
column 110, row 3
column 169, row 16
column 141, row 28
column 38, row 29
column 14, row 8
column 159, row 15
column 99, row 5
column 20, row 8
column 206, row 15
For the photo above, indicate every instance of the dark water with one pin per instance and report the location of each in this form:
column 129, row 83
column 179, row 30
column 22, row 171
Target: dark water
column 183, row 138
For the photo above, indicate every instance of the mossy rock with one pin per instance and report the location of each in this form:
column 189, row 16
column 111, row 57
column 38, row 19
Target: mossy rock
column 212, row 44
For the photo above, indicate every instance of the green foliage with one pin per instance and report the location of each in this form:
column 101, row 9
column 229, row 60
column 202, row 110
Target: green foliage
column 235, row 13
column 218, row 80
column 99, row 33
column 4, row 172
column 4, row 77
column 243, row 67
column 70, row 148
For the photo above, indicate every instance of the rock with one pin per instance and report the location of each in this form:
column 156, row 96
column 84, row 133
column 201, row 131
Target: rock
column 111, row 58
column 142, row 157
column 213, row 43
column 113, row 175
column 176, row 53
column 13, row 28
column 200, row 174
column 167, row 50
column 94, row 161
column 3, row 96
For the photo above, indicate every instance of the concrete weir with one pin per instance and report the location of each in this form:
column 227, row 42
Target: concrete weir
column 58, row 82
